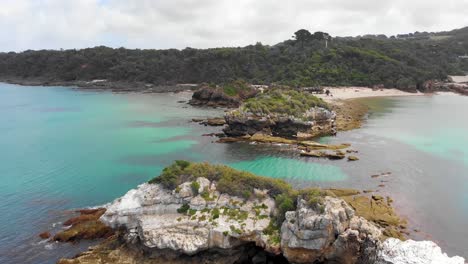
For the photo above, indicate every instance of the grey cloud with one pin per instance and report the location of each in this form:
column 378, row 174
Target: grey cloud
column 32, row 24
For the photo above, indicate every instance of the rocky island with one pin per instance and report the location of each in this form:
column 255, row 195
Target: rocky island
column 281, row 113
column 228, row 95
column 202, row 213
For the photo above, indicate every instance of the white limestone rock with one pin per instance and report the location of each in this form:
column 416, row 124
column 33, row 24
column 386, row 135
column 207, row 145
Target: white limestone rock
column 331, row 232
column 395, row 251
column 150, row 214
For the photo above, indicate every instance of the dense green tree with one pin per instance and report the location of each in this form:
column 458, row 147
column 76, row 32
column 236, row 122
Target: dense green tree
column 405, row 61
column 302, row 35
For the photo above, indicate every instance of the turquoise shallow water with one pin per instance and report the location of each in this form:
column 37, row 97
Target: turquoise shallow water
column 440, row 129
column 277, row 167
column 62, row 148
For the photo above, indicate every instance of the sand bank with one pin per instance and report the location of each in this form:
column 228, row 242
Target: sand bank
column 343, row 93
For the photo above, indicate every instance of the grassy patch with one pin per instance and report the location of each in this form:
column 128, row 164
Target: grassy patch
column 283, row 102
column 237, row 88
column 229, row 180
column 241, row 184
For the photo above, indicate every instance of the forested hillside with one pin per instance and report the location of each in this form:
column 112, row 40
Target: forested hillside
column 405, row 61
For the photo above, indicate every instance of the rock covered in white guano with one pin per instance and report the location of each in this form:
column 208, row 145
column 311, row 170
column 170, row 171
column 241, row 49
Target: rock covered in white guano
column 156, row 217
column 395, row 251
column 331, row 231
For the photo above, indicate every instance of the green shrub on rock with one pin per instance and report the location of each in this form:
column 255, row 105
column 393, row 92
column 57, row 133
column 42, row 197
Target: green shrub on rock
column 195, row 186
column 183, row 209
column 229, row 180
column 283, row 102
column 284, row 203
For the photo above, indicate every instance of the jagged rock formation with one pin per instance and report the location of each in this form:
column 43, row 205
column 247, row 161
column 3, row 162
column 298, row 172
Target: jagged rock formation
column 192, row 221
column 186, row 222
column 329, row 233
column 229, row 95
column 317, row 121
column 213, row 97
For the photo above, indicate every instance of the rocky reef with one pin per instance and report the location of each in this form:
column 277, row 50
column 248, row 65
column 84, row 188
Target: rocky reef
column 281, row 113
column 455, row 87
column 85, row 226
column 202, row 213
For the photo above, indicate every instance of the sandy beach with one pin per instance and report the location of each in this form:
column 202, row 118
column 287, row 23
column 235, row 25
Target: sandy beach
column 459, row 79
column 342, row 93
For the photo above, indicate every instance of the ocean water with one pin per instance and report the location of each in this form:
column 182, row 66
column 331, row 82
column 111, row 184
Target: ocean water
column 62, row 148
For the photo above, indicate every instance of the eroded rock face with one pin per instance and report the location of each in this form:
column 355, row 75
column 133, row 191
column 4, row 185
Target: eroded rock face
column 187, row 223
column 208, row 96
column 328, row 233
column 317, row 121
column 395, row 251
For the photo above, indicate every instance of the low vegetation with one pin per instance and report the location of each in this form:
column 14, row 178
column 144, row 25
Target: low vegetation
column 229, row 180
column 238, row 88
column 242, row 184
column 283, row 102
column 237, row 183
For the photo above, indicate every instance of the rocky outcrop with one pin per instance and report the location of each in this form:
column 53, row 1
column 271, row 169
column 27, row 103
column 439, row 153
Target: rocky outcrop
column 317, row 121
column 215, row 97
column 395, row 251
column 85, row 226
column 230, row 95
column 196, row 223
column 189, row 221
column 435, row 86
column 378, row 210
column 216, row 121
column 330, row 232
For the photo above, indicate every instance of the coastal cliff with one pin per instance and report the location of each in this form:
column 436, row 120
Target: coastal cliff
column 202, row 213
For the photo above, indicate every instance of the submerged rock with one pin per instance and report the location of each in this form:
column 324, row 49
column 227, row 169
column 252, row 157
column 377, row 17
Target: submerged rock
column 219, row 121
column 85, row 226
column 333, row 155
column 45, row 235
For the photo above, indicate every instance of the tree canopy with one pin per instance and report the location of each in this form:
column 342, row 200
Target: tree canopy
column 403, row 61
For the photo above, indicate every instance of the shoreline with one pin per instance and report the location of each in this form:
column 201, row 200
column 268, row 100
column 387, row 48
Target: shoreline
column 101, row 85
column 351, row 92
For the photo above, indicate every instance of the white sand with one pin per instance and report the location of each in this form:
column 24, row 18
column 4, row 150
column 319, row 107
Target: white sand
column 459, row 79
column 341, row 93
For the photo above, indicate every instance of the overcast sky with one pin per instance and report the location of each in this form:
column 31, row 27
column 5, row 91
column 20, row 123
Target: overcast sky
column 55, row 24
